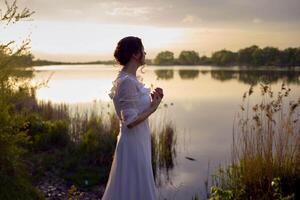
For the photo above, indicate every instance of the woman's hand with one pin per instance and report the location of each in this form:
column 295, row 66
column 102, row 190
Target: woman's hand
column 157, row 96
column 160, row 91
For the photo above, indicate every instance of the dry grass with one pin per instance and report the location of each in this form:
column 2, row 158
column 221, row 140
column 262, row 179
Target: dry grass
column 266, row 145
column 51, row 111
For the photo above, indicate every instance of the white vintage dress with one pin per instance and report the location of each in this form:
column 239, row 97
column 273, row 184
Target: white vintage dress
column 131, row 175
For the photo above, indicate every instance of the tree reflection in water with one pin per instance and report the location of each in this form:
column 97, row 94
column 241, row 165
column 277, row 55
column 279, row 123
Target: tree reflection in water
column 253, row 77
column 164, row 74
column 249, row 76
column 163, row 148
column 189, row 73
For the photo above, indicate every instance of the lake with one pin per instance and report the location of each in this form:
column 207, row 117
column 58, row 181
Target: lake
column 201, row 102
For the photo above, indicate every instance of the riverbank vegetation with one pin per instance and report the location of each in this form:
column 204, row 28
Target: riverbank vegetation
column 265, row 150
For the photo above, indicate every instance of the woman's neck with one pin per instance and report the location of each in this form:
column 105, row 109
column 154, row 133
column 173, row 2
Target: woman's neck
column 131, row 69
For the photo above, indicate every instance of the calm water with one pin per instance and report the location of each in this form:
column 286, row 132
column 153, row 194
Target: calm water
column 200, row 101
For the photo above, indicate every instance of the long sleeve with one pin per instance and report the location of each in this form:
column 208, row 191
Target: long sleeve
column 128, row 98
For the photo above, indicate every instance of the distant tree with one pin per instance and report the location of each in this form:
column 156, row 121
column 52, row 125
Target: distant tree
column 288, row 57
column 258, row 57
column 245, row 56
column 272, row 56
column 148, row 61
column 204, row 60
column 249, row 56
column 164, row 58
column 188, row 58
column 298, row 57
column 223, row 57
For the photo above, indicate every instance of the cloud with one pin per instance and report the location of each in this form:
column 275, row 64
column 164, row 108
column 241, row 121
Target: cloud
column 256, row 20
column 189, row 19
column 73, row 11
column 142, row 12
column 168, row 12
column 132, row 12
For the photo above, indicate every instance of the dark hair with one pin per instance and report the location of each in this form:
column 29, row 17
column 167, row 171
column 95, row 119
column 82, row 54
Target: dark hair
column 126, row 48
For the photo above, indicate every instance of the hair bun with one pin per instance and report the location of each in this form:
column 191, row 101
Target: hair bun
column 126, row 48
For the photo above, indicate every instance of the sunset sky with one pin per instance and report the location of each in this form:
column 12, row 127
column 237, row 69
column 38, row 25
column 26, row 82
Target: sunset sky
column 74, row 30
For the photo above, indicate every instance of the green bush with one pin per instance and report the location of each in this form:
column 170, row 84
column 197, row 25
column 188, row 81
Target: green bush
column 47, row 135
column 18, row 188
column 14, row 175
column 88, row 163
column 53, row 135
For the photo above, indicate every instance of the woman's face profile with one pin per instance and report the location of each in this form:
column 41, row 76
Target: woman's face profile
column 143, row 56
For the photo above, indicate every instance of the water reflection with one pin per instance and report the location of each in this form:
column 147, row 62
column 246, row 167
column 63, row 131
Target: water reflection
column 251, row 77
column 268, row 77
column 188, row 74
column 223, row 75
column 163, row 147
column 164, row 74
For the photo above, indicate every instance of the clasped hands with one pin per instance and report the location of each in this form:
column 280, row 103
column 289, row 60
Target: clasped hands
column 156, row 95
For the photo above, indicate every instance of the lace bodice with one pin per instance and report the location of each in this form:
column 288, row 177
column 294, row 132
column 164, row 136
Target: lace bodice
column 130, row 97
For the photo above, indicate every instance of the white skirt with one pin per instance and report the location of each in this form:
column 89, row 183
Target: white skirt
column 131, row 176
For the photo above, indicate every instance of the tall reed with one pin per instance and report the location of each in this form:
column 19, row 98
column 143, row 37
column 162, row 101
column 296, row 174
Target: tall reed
column 163, row 146
column 266, row 146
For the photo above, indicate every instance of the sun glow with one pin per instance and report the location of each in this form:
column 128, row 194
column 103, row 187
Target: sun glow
column 78, row 38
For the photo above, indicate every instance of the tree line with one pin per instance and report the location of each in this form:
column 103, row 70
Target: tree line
column 249, row 56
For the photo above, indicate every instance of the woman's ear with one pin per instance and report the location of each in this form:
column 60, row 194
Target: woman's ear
column 136, row 56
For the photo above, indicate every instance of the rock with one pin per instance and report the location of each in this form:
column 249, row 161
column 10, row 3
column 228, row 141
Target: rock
column 55, row 188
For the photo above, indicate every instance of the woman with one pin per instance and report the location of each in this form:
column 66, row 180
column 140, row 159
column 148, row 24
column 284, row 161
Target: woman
column 131, row 175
